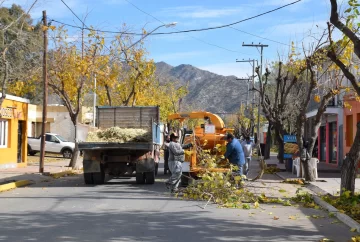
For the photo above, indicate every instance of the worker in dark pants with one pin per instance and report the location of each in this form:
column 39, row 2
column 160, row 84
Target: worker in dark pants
column 234, row 153
column 166, row 154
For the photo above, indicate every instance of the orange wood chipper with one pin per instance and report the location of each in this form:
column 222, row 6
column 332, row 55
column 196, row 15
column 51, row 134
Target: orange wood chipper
column 208, row 135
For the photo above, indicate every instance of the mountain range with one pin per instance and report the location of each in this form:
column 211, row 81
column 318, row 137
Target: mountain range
column 206, row 90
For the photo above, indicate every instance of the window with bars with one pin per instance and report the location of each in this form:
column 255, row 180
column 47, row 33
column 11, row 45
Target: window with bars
column 3, row 133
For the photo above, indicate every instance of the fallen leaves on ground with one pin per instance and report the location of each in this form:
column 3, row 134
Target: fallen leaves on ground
column 294, row 181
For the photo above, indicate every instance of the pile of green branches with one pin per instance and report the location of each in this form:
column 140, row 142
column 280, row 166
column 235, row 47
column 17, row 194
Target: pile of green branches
column 119, row 135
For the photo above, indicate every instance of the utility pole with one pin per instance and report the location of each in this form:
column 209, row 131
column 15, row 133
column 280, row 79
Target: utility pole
column 45, row 96
column 248, row 88
column 252, row 63
column 261, row 46
column 94, row 112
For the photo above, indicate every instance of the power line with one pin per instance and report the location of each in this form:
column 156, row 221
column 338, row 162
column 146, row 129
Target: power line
column 275, row 41
column 80, row 21
column 198, row 39
column 74, row 13
column 180, row 31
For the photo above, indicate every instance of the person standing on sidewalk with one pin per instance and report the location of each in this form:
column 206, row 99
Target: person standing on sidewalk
column 176, row 158
column 166, row 154
column 247, row 146
column 304, row 158
column 234, row 153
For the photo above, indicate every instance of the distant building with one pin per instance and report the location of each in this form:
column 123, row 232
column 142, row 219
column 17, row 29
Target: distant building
column 59, row 122
column 13, row 132
column 351, row 118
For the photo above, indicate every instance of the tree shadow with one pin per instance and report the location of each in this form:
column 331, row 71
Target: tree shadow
column 136, row 225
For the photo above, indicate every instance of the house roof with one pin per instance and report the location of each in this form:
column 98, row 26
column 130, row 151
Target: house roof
column 15, row 98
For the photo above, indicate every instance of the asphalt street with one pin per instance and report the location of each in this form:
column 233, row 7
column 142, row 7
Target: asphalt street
column 120, row 210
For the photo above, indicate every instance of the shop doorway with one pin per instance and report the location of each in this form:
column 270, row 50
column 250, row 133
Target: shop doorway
column 322, row 144
column 333, row 149
column 20, row 142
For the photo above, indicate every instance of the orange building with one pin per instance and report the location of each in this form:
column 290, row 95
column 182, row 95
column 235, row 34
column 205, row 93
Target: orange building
column 351, row 118
column 13, row 132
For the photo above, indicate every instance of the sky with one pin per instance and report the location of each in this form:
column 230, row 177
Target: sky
column 214, row 50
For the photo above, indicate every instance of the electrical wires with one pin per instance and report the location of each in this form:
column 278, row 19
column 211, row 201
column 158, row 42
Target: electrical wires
column 175, row 32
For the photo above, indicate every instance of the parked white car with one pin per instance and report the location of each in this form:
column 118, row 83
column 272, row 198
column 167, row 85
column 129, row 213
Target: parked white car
column 54, row 143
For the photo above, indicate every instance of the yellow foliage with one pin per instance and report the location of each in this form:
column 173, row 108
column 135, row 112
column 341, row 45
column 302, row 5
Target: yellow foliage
column 347, row 105
column 317, row 98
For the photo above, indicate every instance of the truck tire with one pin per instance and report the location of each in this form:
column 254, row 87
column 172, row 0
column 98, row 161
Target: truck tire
column 88, row 178
column 156, row 168
column 140, row 178
column 30, row 151
column 67, row 153
column 150, row 177
column 98, row 178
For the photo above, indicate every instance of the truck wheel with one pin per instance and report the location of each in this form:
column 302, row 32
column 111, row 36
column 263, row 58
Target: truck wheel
column 30, row 151
column 150, row 177
column 98, row 178
column 140, row 178
column 88, row 178
column 67, row 153
column 156, row 168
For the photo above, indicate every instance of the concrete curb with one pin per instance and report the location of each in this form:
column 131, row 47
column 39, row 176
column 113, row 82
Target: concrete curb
column 281, row 176
column 13, row 185
column 341, row 216
column 59, row 174
column 317, row 189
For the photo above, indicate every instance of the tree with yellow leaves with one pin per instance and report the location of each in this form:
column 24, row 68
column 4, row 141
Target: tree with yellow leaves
column 71, row 72
column 128, row 79
column 19, row 51
column 350, row 41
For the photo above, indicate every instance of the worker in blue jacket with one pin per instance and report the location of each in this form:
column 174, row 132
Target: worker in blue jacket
column 234, row 153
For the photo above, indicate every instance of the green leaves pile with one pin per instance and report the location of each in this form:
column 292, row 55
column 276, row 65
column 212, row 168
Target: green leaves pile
column 346, row 203
column 225, row 189
column 119, row 135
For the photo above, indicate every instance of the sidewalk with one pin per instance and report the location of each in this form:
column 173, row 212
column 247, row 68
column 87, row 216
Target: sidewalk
column 31, row 172
column 329, row 176
column 270, row 184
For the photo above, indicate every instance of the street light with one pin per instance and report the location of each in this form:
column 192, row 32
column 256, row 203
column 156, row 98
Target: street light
column 147, row 34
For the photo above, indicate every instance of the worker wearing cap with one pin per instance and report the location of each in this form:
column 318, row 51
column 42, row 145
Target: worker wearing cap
column 176, row 157
column 234, row 153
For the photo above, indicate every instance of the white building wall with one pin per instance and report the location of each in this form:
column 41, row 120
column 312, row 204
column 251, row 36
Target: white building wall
column 62, row 124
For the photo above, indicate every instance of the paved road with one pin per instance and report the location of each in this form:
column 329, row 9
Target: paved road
column 67, row 210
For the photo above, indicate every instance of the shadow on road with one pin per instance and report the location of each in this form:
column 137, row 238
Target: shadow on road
column 136, row 225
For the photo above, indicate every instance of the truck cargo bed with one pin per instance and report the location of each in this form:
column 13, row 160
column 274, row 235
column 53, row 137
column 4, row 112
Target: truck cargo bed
column 113, row 146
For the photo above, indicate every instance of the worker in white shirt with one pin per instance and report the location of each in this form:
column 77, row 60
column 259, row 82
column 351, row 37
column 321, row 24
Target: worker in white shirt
column 247, row 146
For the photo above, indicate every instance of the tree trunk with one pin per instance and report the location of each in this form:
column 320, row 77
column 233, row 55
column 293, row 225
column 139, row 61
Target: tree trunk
column 349, row 167
column 279, row 138
column 300, row 133
column 108, row 95
column 268, row 143
column 75, row 161
column 308, row 171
